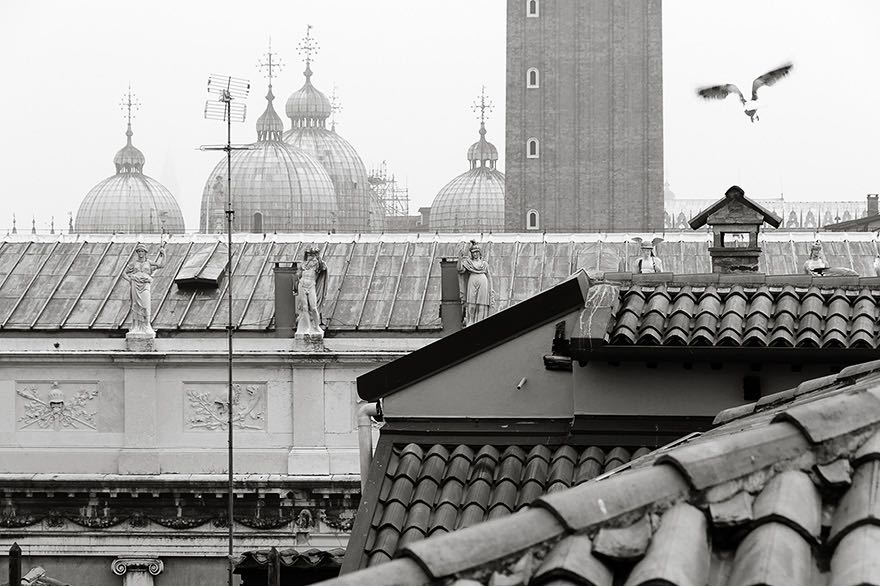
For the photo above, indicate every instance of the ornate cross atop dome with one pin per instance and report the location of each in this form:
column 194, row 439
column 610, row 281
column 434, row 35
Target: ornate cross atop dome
column 308, row 47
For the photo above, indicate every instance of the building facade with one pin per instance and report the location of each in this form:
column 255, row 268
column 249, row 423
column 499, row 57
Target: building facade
column 584, row 116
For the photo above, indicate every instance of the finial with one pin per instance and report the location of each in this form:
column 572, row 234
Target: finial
column 271, row 63
column 14, row 229
column 33, row 225
column 308, row 47
column 52, row 226
column 483, row 105
column 70, row 222
column 335, row 106
column 129, row 103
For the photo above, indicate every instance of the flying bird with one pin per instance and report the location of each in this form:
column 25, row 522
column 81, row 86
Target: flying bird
column 750, row 107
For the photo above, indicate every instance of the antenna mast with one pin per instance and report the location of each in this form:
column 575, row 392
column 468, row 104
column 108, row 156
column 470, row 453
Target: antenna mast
column 225, row 108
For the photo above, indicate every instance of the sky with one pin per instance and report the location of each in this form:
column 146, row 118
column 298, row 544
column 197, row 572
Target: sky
column 407, row 74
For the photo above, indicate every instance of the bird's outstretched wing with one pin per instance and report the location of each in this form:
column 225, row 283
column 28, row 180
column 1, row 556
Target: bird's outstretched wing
column 770, row 78
column 719, row 92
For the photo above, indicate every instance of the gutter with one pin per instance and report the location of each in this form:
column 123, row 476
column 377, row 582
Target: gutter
column 582, row 351
column 365, row 413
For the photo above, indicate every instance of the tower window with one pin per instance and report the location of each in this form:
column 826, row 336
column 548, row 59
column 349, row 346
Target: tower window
column 532, row 148
column 532, row 78
column 532, row 220
column 532, row 10
column 257, row 226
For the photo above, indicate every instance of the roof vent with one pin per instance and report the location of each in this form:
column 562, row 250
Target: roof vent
column 204, row 268
column 735, row 221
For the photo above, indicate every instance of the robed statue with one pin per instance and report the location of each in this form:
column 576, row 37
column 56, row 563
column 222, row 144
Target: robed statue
column 308, row 290
column 139, row 275
column 475, row 284
column 817, row 265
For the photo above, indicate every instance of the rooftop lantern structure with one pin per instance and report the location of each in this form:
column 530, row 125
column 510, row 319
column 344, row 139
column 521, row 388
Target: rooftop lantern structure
column 735, row 221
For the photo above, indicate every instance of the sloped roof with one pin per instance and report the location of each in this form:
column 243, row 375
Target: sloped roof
column 432, row 489
column 799, row 311
column 734, row 194
column 784, row 491
column 376, row 282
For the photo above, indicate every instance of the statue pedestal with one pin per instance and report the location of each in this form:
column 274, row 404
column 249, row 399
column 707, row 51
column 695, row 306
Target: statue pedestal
column 304, row 342
column 140, row 342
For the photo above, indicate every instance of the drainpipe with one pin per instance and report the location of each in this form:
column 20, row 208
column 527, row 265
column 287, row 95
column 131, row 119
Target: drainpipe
column 365, row 438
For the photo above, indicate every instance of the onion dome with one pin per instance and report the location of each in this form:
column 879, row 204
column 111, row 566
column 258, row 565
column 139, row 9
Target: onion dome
column 275, row 187
column 473, row 201
column 308, row 110
column 129, row 202
column 308, row 105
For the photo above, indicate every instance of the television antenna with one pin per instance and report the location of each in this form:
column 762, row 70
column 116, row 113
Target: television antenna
column 225, row 108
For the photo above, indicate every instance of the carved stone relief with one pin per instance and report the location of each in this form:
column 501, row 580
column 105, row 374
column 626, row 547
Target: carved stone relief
column 206, row 406
column 54, row 406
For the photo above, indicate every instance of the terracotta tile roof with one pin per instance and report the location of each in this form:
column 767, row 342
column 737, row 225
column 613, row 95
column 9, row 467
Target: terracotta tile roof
column 433, row 489
column 783, row 491
column 376, row 282
column 818, row 314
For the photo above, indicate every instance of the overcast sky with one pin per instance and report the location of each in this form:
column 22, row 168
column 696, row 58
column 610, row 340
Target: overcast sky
column 407, row 73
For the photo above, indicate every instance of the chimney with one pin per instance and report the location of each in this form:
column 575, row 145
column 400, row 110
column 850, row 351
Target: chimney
column 285, row 312
column 735, row 221
column 872, row 204
column 425, row 212
column 450, row 296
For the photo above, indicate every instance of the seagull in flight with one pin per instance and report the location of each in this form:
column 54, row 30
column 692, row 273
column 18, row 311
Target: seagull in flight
column 719, row 92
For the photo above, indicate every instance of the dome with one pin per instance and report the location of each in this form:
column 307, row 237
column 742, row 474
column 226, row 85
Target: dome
column 308, row 103
column 473, row 201
column 346, row 170
column 129, row 201
column 482, row 150
column 275, row 187
column 308, row 110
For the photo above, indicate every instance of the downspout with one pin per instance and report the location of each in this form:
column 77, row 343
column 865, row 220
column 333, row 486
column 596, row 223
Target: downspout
column 365, row 413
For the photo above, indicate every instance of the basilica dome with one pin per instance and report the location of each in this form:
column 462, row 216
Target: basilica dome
column 473, row 201
column 129, row 201
column 275, row 187
column 308, row 109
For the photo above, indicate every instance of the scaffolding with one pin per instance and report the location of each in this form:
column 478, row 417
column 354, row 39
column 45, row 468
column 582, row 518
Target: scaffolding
column 385, row 190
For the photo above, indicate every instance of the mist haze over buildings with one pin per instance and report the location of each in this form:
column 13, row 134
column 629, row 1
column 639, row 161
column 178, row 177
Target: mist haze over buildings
column 407, row 75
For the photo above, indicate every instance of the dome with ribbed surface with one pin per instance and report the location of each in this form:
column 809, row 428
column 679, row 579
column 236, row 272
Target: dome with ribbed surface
column 309, row 133
column 308, row 103
column 482, row 151
column 473, row 201
column 129, row 201
column 275, row 187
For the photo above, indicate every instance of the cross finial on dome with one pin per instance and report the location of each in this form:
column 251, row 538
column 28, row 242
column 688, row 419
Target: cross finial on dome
column 271, row 63
column 129, row 104
column 308, row 47
column 335, row 107
column 484, row 105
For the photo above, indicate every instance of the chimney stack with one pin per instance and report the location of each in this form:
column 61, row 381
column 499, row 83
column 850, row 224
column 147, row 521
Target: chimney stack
column 872, row 204
column 735, row 221
column 450, row 296
column 285, row 311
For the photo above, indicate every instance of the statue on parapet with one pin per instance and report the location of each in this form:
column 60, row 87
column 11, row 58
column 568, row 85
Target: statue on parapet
column 817, row 265
column 308, row 290
column 475, row 284
column 139, row 275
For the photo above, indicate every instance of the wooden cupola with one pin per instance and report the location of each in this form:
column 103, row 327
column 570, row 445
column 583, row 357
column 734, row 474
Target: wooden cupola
column 735, row 221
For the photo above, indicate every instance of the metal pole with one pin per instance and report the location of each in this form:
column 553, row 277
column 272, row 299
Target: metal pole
column 229, row 216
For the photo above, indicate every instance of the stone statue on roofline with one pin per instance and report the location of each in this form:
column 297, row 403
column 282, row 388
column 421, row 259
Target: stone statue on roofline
column 139, row 275
column 817, row 265
column 308, row 291
column 475, row 284
column 648, row 261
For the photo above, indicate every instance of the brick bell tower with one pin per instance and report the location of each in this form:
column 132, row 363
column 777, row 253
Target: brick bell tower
column 584, row 145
